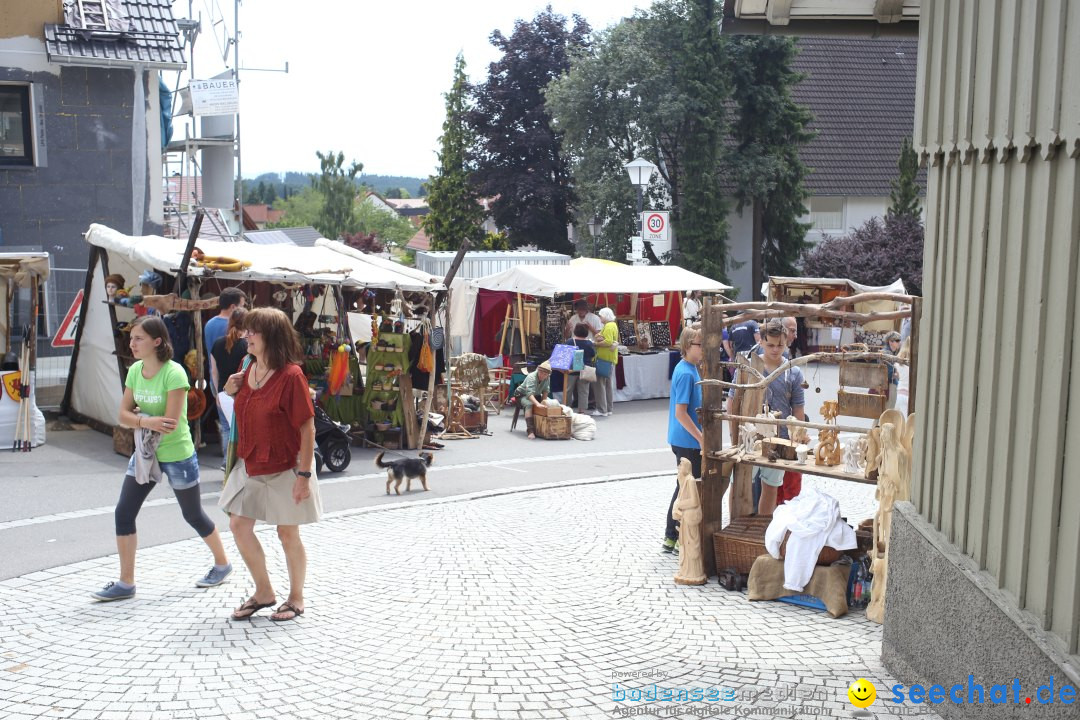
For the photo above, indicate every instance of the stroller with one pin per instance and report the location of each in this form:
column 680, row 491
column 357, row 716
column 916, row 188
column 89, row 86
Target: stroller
column 333, row 444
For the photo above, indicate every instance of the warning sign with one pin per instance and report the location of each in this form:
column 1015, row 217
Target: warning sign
column 65, row 335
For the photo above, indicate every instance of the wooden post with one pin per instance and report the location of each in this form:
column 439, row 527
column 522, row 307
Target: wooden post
column 436, row 301
column 521, row 325
column 913, row 359
column 714, row 474
column 409, row 428
column 505, row 327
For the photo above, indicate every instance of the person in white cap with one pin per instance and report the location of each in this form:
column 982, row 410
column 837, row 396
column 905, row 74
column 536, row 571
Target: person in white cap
column 532, row 392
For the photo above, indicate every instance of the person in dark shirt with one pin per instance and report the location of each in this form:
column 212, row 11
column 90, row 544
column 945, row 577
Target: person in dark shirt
column 573, row 380
column 744, row 336
column 226, row 355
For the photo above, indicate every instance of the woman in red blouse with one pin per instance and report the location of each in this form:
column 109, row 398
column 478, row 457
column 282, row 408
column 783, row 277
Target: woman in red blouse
column 272, row 479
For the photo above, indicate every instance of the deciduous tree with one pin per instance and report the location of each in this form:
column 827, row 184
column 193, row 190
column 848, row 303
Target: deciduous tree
column 337, row 185
column 518, row 156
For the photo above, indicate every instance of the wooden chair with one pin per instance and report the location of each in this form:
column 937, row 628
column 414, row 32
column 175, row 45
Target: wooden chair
column 498, row 389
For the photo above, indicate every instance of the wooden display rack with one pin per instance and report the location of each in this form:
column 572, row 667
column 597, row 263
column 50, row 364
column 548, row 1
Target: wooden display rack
column 888, row 442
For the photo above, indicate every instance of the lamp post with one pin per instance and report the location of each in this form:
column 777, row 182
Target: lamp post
column 595, row 225
column 640, row 171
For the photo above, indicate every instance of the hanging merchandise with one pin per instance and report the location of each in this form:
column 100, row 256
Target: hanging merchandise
column 339, row 368
column 426, row 363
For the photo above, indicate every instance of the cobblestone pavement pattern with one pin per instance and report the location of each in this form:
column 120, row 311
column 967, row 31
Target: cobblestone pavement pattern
column 523, row 605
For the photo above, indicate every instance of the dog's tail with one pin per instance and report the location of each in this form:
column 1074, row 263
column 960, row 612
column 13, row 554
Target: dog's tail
column 379, row 462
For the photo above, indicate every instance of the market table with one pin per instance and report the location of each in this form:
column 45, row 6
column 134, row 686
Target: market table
column 646, row 375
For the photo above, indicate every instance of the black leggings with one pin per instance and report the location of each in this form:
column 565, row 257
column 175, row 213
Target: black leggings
column 132, row 496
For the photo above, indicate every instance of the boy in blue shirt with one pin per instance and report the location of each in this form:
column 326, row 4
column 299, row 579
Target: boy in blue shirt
column 684, row 429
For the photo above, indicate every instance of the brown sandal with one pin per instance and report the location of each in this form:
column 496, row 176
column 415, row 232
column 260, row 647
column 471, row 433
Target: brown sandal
column 249, row 608
column 286, row 607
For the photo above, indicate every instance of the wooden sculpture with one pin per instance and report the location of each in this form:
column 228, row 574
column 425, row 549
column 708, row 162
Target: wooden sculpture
column 893, row 485
column 688, row 512
column 828, row 449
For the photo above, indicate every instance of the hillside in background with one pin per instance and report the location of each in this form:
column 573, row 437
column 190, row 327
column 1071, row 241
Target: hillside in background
column 385, row 185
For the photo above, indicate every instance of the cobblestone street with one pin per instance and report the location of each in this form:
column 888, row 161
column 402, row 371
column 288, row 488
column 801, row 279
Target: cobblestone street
column 528, row 604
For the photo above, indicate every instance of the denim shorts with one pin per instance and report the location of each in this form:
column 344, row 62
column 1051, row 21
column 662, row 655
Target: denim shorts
column 773, row 477
column 182, row 474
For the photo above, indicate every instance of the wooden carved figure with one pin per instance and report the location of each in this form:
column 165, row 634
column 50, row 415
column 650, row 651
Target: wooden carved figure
column 893, row 484
column 688, row 512
column 828, row 449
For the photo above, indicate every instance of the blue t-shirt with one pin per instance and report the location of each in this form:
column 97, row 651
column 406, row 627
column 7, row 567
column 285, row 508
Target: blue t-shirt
column 684, row 391
column 785, row 392
column 742, row 336
column 215, row 329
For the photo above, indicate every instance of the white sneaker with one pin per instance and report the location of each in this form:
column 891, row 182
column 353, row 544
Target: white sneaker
column 595, row 412
column 607, row 414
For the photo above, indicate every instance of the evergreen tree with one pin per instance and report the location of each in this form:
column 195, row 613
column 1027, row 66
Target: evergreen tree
column 269, row 194
column 518, row 155
column 337, row 186
column 455, row 213
column 768, row 131
column 904, row 198
column 701, row 225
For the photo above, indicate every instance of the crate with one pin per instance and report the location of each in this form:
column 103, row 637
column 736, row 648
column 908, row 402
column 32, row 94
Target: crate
column 548, row 411
column 123, row 441
column 474, row 421
column 552, row 428
column 740, row 543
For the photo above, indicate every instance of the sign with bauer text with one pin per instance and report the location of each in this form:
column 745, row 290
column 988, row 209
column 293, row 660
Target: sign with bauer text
column 655, row 226
column 214, row 97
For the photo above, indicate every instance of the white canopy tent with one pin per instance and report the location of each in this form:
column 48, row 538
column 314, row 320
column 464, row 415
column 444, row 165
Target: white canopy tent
column 94, row 391
column 598, row 278
column 580, row 276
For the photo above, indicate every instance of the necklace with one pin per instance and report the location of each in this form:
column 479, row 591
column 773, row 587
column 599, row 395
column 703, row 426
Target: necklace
column 258, row 382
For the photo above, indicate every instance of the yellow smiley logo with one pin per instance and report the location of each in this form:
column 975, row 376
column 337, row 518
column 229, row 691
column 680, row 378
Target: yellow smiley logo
column 862, row 693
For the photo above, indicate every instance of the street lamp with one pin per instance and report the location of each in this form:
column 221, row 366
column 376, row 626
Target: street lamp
column 595, row 225
column 640, row 171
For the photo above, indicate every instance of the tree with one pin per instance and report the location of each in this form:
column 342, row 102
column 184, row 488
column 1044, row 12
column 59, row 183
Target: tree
column 455, row 212
column 337, row 185
column 300, row 209
column 389, row 227
column 364, row 242
column 877, row 253
column 702, row 228
column 269, row 195
column 768, row 129
column 518, row 155
column 904, row 198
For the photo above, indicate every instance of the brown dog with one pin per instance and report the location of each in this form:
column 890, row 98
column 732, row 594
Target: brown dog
column 405, row 469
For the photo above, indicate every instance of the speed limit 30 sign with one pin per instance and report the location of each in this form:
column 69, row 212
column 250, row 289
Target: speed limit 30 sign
column 655, row 226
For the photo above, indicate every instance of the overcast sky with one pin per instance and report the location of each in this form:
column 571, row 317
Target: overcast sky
column 366, row 77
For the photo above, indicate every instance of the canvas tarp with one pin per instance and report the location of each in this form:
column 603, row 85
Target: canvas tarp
column 96, row 390
column 328, row 263
column 896, row 287
column 597, row 278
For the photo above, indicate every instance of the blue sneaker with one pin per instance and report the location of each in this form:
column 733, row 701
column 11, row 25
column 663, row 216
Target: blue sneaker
column 112, row 591
column 214, row 577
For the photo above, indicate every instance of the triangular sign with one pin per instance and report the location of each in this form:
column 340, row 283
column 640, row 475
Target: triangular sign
column 65, row 335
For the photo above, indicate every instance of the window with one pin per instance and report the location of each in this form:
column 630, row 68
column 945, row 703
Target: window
column 16, row 126
column 827, row 213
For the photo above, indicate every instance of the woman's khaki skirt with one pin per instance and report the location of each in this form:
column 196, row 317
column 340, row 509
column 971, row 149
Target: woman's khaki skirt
column 269, row 497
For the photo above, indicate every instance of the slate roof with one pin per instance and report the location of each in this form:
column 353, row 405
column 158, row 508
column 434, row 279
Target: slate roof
column 861, row 92
column 151, row 39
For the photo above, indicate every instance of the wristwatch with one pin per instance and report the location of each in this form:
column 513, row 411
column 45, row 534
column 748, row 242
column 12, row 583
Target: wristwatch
column 303, row 473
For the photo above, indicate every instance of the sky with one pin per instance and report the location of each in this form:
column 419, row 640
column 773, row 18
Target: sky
column 366, row 77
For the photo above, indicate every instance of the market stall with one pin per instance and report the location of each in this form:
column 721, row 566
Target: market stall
column 22, row 425
column 535, row 303
column 823, row 333
column 316, row 286
column 740, row 433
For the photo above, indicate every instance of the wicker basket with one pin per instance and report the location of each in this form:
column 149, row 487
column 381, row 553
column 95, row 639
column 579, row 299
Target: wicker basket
column 552, row 427
column 740, row 543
